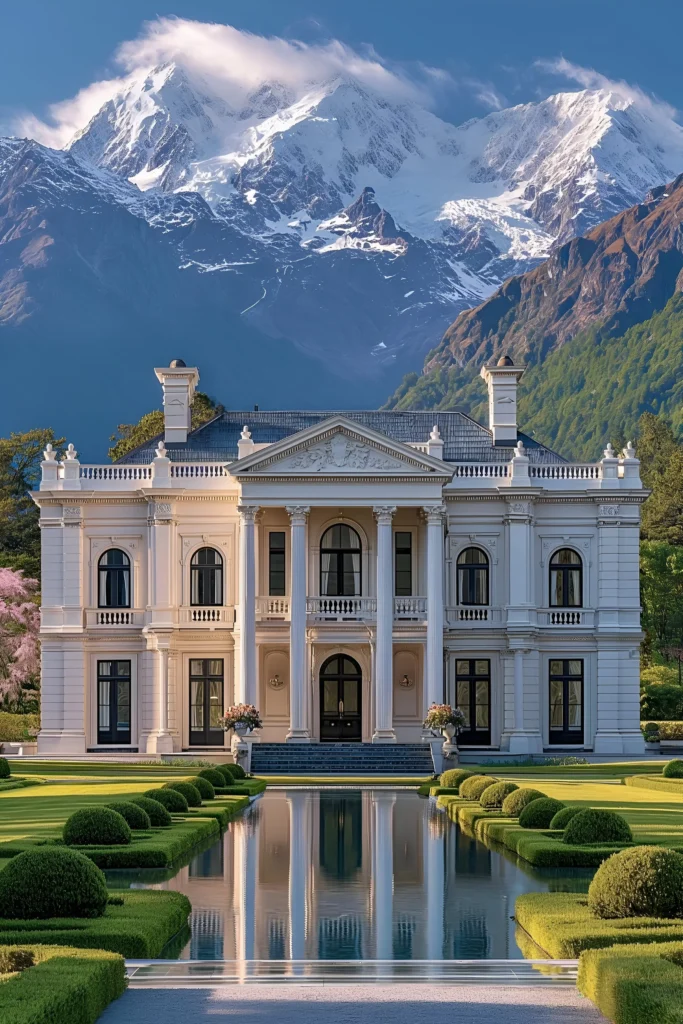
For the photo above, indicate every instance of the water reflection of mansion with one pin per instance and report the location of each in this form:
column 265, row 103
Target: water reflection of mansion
column 348, row 875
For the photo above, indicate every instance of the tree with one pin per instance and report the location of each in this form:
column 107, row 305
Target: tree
column 19, row 629
column 661, row 459
column 20, row 458
column 132, row 435
column 661, row 584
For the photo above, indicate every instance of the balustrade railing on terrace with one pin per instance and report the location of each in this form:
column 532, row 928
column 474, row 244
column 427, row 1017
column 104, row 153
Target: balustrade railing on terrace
column 410, row 607
column 340, row 609
column 272, row 608
column 113, row 617
column 208, row 613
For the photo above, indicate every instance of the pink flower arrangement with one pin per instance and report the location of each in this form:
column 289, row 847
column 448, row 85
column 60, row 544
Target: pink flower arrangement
column 441, row 715
column 19, row 628
column 242, row 714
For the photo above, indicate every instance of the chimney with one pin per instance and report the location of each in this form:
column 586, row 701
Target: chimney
column 178, row 382
column 502, row 380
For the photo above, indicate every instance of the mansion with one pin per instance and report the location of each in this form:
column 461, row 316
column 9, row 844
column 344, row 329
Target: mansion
column 341, row 571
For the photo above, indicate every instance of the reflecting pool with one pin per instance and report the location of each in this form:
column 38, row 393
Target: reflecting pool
column 352, row 874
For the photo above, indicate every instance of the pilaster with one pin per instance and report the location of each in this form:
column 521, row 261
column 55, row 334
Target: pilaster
column 246, row 680
column 434, row 684
column 298, row 726
column 384, row 682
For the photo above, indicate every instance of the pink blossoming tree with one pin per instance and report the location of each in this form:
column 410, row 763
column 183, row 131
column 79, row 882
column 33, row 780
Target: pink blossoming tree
column 19, row 627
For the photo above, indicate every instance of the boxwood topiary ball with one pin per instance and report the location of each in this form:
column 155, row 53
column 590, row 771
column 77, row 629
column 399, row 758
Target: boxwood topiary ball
column 206, row 790
column 4, row 768
column 156, row 812
column 238, row 771
column 137, row 818
column 646, row 881
column 539, row 813
column 96, row 826
column 173, row 801
column 493, row 796
column 563, row 817
column 454, row 777
column 514, row 804
column 189, row 791
column 673, row 770
column 213, row 776
column 595, row 826
column 472, row 788
column 51, row 881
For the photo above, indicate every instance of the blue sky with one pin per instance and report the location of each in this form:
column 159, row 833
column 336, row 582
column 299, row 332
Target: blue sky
column 49, row 50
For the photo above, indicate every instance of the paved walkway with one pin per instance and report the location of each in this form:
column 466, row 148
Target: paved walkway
column 353, row 1004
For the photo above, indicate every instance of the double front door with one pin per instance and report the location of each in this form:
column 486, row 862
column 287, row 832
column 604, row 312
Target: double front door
column 206, row 702
column 340, row 700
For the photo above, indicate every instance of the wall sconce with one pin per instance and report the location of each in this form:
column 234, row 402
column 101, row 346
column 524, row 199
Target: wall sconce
column 406, row 683
column 276, row 683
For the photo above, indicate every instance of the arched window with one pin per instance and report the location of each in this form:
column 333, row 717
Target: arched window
column 473, row 577
column 206, row 577
column 340, row 571
column 113, row 571
column 566, row 579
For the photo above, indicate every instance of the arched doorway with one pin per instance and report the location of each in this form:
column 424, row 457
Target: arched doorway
column 340, row 700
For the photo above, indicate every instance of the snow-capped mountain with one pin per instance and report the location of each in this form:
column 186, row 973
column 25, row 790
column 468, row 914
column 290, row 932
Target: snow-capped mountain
column 353, row 226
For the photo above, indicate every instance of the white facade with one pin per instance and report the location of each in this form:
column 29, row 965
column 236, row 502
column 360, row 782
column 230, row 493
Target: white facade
column 191, row 579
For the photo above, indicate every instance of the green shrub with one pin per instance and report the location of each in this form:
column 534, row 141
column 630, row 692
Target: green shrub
column 17, row 728
column 493, row 796
column 96, row 826
column 472, row 788
column 673, row 770
column 173, row 801
column 4, row 768
column 190, row 792
column 226, row 771
column 646, row 881
column 237, row 770
column 156, row 812
column 514, row 803
column 12, row 960
column 135, row 816
column 539, row 813
column 51, row 881
column 563, row 817
column 206, row 790
column 212, row 775
column 661, row 702
column 452, row 778
column 669, row 730
column 592, row 825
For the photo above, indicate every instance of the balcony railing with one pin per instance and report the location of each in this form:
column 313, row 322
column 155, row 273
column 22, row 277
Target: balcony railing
column 207, row 615
column 566, row 617
column 341, row 609
column 477, row 616
column 410, row 608
column 113, row 617
column 272, row 608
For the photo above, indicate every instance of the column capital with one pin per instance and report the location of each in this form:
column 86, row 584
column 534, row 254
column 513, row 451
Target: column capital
column 384, row 513
column 519, row 510
column 298, row 513
column 434, row 513
column 248, row 513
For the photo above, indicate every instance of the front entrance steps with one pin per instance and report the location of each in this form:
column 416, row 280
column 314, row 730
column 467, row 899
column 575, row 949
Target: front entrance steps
column 341, row 759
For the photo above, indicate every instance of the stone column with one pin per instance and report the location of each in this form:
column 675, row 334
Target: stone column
column 434, row 515
column 434, row 858
column 298, row 725
column 525, row 737
column 244, row 891
column 299, row 859
column 383, row 873
column 384, row 674
column 246, row 680
column 159, row 740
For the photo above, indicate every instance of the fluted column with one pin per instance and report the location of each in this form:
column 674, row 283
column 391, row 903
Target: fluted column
column 299, row 861
column 434, row 515
column 298, row 725
column 383, row 873
column 434, row 858
column 384, row 682
column 246, row 680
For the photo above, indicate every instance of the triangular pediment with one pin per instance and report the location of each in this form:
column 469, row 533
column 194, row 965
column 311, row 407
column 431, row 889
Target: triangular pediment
column 339, row 447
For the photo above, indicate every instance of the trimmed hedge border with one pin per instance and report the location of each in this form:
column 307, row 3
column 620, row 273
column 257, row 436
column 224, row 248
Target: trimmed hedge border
column 563, row 926
column 154, row 849
column 657, row 782
column 138, row 927
column 66, row 985
column 634, row 984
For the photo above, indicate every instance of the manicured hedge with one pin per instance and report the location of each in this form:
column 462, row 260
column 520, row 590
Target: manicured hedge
column 539, row 813
column 563, row 925
column 212, row 775
column 51, row 881
column 66, row 986
column 138, row 926
column 155, row 849
column 646, row 881
column 96, row 826
column 137, row 818
column 514, row 804
column 493, row 796
column 18, row 728
column 190, row 792
column 236, row 770
column 452, row 778
column 4, row 768
column 638, row 984
column 594, row 825
column 158, row 814
column 173, row 801
column 206, row 790
column 563, row 817
column 673, row 770
column 472, row 788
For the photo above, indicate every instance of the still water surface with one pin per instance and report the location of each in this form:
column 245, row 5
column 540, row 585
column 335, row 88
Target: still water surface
column 351, row 874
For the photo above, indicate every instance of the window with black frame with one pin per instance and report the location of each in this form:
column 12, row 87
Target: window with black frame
column 566, row 700
column 340, row 562
column 206, row 702
column 473, row 697
column 473, row 577
column 113, row 584
column 113, row 702
column 206, row 578
column 276, row 563
column 566, row 579
column 403, row 563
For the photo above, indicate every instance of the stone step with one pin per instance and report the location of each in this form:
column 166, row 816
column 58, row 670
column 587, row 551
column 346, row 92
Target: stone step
column 341, row 759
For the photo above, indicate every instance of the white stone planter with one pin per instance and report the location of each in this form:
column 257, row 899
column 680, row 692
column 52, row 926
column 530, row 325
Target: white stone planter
column 19, row 748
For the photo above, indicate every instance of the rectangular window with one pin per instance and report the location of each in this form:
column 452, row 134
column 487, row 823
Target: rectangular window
column 113, row 702
column 566, row 700
column 276, row 564
column 206, row 701
column 403, row 563
column 473, row 697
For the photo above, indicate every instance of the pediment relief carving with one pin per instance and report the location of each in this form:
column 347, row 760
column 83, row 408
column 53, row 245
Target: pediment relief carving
column 341, row 453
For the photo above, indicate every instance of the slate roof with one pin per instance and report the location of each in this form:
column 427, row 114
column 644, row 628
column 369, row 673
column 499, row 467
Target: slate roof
column 464, row 439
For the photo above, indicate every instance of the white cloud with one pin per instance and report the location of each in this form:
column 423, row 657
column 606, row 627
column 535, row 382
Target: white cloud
column 589, row 78
column 234, row 62
column 486, row 93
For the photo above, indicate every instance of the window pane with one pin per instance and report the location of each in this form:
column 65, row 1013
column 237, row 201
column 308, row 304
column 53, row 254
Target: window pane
column 462, row 668
column 123, row 705
column 350, row 697
column 276, row 565
column 481, row 668
column 215, row 667
column 575, row 668
column 556, row 704
column 330, row 698
column 103, row 702
column 215, row 703
column 556, row 668
column 196, row 704
column 556, row 589
column 196, row 667
column 482, row 716
column 573, row 588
